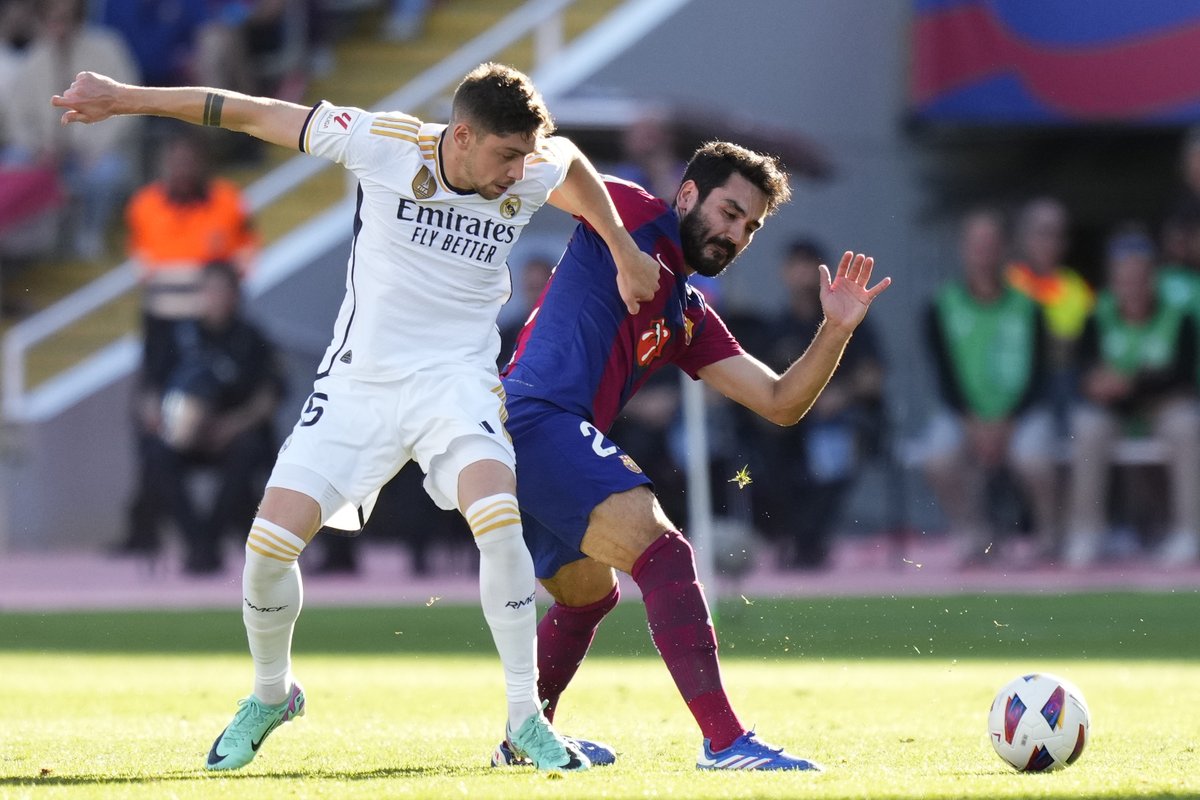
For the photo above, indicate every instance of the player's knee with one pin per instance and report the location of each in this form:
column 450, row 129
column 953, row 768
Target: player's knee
column 624, row 526
column 295, row 511
column 671, row 547
column 676, row 542
column 610, row 600
column 585, row 582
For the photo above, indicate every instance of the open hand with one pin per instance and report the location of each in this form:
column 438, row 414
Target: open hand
column 846, row 298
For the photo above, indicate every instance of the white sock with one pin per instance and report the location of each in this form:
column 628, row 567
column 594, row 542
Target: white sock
column 272, row 594
column 506, row 587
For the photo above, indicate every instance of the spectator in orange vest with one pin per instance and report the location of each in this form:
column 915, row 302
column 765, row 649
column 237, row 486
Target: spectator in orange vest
column 1064, row 296
column 181, row 222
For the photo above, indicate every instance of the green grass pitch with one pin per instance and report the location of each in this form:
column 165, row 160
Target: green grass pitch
column 890, row 693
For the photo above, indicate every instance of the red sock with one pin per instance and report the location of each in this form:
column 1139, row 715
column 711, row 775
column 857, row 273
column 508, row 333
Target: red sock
column 683, row 633
column 564, row 636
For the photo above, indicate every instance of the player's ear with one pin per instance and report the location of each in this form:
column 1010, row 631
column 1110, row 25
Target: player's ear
column 461, row 133
column 685, row 198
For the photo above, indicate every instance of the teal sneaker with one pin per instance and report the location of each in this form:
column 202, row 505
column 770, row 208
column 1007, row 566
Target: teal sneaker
column 238, row 744
column 537, row 741
column 601, row 755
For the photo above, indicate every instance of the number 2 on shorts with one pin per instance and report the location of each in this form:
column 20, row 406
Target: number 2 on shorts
column 588, row 429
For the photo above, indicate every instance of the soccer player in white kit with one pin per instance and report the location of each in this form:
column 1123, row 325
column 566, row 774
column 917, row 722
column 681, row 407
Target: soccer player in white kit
column 410, row 373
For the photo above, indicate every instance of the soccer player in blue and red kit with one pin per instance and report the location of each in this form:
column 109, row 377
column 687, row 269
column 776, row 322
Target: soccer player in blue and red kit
column 587, row 506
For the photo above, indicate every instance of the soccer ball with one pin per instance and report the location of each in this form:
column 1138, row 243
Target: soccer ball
column 1039, row 723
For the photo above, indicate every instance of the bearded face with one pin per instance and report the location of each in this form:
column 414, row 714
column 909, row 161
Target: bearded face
column 715, row 229
column 704, row 250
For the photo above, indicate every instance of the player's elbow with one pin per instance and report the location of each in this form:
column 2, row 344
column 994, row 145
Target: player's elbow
column 786, row 411
column 783, row 416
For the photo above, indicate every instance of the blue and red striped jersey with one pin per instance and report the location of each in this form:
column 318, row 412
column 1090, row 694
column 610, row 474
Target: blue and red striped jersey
column 583, row 351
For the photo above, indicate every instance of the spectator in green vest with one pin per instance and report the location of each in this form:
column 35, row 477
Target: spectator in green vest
column 1138, row 360
column 994, row 427
column 1179, row 270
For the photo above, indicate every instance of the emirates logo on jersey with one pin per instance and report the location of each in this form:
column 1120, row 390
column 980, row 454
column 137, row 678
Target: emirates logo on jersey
column 651, row 343
column 510, row 207
column 424, row 185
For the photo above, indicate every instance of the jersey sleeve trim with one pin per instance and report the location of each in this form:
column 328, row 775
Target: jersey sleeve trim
column 394, row 135
column 397, row 118
column 406, row 129
column 428, row 145
column 305, row 127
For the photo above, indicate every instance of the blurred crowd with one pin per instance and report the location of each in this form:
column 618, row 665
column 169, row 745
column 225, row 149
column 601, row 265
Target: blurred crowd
column 1063, row 426
column 62, row 189
column 1069, row 412
column 150, row 189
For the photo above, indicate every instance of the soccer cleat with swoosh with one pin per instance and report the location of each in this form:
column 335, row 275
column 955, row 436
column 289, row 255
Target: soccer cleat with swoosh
column 238, row 744
column 601, row 755
column 537, row 741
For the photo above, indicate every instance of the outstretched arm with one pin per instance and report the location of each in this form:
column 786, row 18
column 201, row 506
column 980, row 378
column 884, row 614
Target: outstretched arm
column 784, row 399
column 93, row 98
column 582, row 194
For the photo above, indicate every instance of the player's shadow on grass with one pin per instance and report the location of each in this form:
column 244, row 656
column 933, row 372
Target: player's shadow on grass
column 427, row 771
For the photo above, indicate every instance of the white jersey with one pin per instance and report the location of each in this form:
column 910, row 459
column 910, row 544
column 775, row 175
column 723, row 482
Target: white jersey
column 428, row 269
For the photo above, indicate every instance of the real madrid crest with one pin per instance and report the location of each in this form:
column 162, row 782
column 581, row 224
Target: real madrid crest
column 424, row 185
column 510, row 206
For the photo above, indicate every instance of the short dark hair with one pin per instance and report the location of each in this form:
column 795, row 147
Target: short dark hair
column 500, row 100
column 714, row 162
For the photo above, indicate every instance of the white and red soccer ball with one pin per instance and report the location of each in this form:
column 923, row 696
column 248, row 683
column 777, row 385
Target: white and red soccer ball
column 1039, row 723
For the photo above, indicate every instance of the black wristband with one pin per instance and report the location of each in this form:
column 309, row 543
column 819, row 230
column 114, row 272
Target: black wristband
column 212, row 109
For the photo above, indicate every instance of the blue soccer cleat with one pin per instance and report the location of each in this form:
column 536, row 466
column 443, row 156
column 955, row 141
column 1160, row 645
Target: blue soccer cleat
column 747, row 752
column 601, row 755
column 238, row 744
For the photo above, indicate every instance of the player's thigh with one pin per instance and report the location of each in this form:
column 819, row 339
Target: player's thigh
column 344, row 447
column 623, row 526
column 581, row 582
column 565, row 470
column 454, row 421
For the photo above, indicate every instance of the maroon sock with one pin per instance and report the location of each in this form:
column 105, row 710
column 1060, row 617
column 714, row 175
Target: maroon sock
column 564, row 636
column 683, row 633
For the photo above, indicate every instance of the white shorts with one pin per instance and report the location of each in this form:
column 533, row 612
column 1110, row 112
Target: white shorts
column 353, row 436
